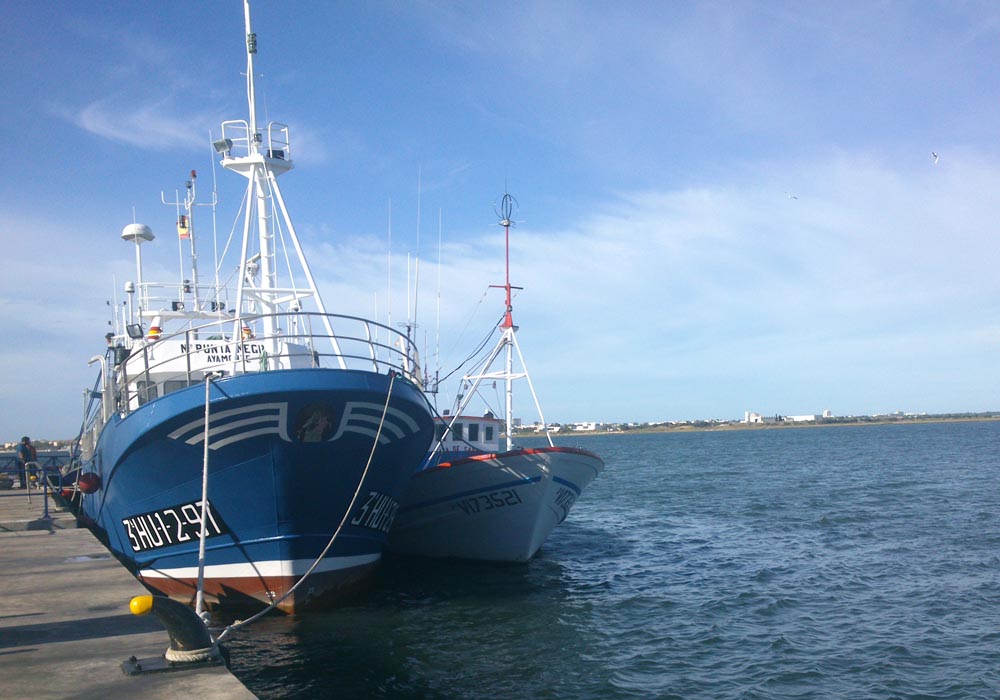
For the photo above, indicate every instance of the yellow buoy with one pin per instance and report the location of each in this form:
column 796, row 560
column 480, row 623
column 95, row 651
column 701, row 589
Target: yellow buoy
column 141, row 604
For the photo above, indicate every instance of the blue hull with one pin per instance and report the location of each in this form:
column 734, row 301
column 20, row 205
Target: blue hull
column 287, row 451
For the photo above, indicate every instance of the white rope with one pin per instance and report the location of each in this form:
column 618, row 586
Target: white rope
column 181, row 656
column 242, row 623
column 199, row 604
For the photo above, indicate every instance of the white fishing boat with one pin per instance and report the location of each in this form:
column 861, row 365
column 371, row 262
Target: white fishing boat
column 474, row 499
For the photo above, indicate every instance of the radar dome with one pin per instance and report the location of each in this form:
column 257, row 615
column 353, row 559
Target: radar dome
column 137, row 233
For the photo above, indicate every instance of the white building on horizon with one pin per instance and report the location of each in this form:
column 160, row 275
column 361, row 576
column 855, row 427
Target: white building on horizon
column 749, row 417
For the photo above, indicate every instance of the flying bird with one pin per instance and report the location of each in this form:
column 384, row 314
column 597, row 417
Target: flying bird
column 790, row 196
column 935, row 157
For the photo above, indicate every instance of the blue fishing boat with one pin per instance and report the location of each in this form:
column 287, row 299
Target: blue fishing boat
column 242, row 445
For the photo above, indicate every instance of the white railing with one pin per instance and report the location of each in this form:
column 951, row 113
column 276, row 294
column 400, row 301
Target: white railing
column 277, row 147
column 148, row 368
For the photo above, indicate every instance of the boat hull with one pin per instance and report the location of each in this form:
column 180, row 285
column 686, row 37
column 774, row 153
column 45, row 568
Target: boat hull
column 491, row 507
column 287, row 453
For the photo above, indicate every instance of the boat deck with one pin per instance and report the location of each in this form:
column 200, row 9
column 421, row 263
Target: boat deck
column 66, row 628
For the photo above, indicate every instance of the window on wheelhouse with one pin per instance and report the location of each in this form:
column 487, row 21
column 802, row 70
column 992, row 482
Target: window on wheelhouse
column 173, row 385
column 440, row 431
column 145, row 391
column 488, row 433
column 473, row 432
column 456, row 431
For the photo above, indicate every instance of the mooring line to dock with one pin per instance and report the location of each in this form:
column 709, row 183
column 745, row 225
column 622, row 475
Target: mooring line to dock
column 378, row 433
column 199, row 606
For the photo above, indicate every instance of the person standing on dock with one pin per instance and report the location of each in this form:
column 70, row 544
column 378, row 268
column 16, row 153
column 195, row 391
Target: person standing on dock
column 26, row 454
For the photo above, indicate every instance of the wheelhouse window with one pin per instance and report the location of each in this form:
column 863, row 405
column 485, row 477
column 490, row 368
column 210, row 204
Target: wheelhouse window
column 456, row 431
column 145, row 391
column 488, row 433
column 473, row 432
column 173, row 385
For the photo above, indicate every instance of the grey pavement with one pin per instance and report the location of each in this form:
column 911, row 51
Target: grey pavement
column 65, row 625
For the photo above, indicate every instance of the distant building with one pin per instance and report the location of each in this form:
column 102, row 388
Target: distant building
column 749, row 417
column 584, row 426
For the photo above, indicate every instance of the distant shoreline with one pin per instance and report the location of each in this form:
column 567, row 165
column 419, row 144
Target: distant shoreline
column 692, row 427
column 723, row 427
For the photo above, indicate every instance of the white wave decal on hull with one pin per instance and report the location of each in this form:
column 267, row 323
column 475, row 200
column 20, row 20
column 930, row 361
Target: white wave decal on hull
column 236, row 425
column 363, row 417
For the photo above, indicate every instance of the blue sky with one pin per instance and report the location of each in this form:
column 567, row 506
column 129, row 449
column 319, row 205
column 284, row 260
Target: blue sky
column 724, row 206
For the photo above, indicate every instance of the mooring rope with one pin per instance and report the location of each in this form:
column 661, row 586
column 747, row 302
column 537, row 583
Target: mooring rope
column 199, row 601
column 243, row 623
column 181, row 656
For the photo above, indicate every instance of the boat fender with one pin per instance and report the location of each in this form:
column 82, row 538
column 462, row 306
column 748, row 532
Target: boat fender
column 190, row 639
column 89, row 482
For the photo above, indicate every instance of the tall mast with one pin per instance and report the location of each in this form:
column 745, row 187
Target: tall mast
column 507, row 345
column 259, row 183
column 260, row 155
column 186, row 231
column 251, row 94
column 507, row 325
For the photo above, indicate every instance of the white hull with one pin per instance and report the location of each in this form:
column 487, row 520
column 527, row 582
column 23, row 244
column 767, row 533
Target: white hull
column 491, row 507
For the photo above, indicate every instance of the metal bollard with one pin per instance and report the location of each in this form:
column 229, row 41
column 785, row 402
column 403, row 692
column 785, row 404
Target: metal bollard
column 45, row 494
column 28, row 479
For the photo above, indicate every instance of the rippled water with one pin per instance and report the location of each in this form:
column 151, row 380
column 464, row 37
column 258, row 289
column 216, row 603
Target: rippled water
column 840, row 562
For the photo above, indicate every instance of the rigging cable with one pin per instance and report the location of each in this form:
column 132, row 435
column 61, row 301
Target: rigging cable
column 482, row 346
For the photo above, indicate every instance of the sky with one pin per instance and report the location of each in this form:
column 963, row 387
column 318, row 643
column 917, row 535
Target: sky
column 722, row 206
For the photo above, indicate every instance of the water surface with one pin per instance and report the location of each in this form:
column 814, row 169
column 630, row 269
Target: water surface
column 833, row 562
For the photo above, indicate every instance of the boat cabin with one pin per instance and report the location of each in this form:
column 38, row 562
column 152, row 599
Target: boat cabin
column 463, row 435
column 157, row 368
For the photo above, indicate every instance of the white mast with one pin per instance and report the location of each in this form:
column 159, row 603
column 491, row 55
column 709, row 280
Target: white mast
column 507, row 344
column 186, row 231
column 437, row 324
column 389, row 291
column 507, row 325
column 139, row 234
column 261, row 163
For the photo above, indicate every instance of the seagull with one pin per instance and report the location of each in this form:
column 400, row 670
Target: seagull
column 790, row 196
column 935, row 157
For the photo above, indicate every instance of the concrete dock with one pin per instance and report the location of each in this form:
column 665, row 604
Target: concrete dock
column 65, row 625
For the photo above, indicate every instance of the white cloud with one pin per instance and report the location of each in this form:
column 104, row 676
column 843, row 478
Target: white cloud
column 869, row 264
column 153, row 126
column 684, row 303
